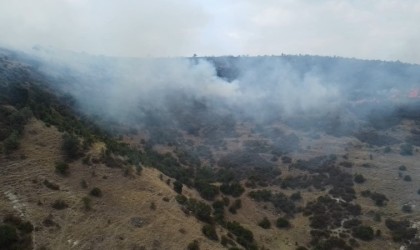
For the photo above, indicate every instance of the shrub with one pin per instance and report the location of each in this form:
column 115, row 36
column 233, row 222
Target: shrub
column 59, row 205
column 193, row 245
column 51, row 185
column 406, row 208
column 351, row 223
column 219, row 211
column 235, row 206
column 400, row 230
column 178, row 187
column 261, row 195
column 11, row 143
column 71, row 146
column 87, row 203
column 363, row 232
column 296, row 196
column 264, row 223
column 407, row 178
column 358, row 178
column 206, row 190
column 210, row 232
column 8, row 236
column 83, row 184
column 181, row 199
column 406, row 149
column 97, row 192
column 200, row 209
column 402, row 168
column 235, row 189
column 62, row 168
column 282, row 223
column 153, row 206
column 241, row 232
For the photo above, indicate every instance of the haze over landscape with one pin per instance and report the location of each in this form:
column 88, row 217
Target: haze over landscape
column 209, row 124
column 384, row 29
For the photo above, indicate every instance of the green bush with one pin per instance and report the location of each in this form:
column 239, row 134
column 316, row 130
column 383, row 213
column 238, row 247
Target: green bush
column 97, row 192
column 193, row 245
column 241, row 232
column 406, row 208
column 87, row 203
column 296, row 196
column 235, row 189
column 363, row 232
column 51, row 185
column 282, row 223
column 406, row 149
column 59, row 205
column 11, row 143
column 181, row 199
column 264, row 223
column 8, row 236
column 83, row 184
column 178, row 187
column 407, row 178
column 71, row 146
column 358, row 178
column 62, row 168
column 210, row 232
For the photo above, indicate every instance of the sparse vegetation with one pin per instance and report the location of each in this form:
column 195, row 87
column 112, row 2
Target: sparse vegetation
column 62, row 168
column 87, row 203
column 359, row 178
column 97, row 192
column 282, row 223
column 60, row 205
column 210, row 232
column 178, row 187
column 400, row 230
column 264, row 223
column 406, row 149
column 194, row 245
column 407, row 178
column 363, row 232
column 51, row 185
column 234, row 189
column 71, row 147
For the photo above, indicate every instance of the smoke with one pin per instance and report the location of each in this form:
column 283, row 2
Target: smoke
column 119, row 88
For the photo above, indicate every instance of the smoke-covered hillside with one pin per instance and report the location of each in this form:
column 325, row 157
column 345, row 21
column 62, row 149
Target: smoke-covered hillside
column 324, row 148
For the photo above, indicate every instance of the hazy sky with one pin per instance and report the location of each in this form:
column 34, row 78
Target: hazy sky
column 373, row 29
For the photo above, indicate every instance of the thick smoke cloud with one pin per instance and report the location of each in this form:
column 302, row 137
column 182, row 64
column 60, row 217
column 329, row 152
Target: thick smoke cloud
column 121, row 88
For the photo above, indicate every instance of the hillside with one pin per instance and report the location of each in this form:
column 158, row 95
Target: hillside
column 288, row 152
